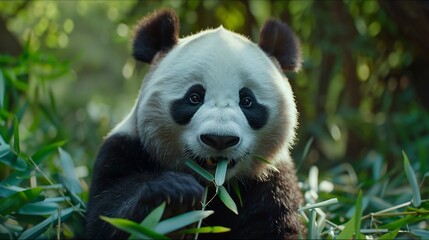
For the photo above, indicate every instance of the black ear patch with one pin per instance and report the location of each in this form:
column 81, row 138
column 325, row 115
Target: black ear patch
column 156, row 32
column 279, row 41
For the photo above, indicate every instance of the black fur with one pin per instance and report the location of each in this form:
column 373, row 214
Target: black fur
column 155, row 33
column 256, row 114
column 279, row 41
column 128, row 183
column 269, row 209
column 182, row 110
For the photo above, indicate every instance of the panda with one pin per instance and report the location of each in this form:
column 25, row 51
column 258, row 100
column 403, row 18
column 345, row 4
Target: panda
column 210, row 96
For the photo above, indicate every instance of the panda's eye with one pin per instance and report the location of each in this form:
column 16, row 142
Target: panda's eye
column 246, row 102
column 195, row 98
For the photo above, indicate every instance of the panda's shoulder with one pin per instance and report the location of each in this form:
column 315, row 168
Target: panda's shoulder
column 121, row 143
column 122, row 154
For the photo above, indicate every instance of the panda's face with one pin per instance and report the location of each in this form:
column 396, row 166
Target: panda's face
column 215, row 96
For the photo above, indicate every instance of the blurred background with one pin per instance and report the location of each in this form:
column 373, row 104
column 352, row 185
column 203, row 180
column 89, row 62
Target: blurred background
column 67, row 74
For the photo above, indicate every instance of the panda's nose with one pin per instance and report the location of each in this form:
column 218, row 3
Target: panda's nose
column 219, row 142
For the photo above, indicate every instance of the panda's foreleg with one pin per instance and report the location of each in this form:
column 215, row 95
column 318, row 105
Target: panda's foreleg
column 128, row 184
column 269, row 210
column 135, row 196
column 181, row 192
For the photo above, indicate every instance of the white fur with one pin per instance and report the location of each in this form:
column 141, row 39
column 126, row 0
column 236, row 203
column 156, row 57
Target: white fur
column 222, row 62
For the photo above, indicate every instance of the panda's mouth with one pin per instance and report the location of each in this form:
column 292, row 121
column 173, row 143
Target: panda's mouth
column 211, row 162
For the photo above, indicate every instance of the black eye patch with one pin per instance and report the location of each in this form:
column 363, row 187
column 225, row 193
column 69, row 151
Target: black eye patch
column 255, row 113
column 183, row 109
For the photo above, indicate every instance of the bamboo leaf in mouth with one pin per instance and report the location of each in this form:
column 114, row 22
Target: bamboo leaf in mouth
column 220, row 173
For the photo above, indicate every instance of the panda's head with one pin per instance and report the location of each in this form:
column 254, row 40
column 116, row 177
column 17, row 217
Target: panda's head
column 214, row 95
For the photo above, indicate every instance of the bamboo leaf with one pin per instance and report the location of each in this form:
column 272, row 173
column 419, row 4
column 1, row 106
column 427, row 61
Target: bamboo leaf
column 424, row 177
column 424, row 234
column 266, row 162
column 16, row 200
column 16, row 177
column 320, row 204
column 220, row 173
column 379, row 203
column 133, row 228
column 402, row 222
column 46, row 150
column 39, row 208
column 70, row 180
column 352, row 227
column 389, row 235
column 413, row 181
column 2, row 89
column 227, row 200
column 40, row 228
column 6, row 191
column 201, row 171
column 236, row 188
column 14, row 161
column 348, row 231
column 305, row 152
column 4, row 147
column 312, row 229
column 321, row 223
column 358, row 216
column 209, row 229
column 153, row 218
column 77, row 200
column 172, row 224
column 16, row 135
column 259, row 158
column 52, row 100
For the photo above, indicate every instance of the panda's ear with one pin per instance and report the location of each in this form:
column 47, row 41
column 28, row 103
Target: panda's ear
column 279, row 41
column 156, row 32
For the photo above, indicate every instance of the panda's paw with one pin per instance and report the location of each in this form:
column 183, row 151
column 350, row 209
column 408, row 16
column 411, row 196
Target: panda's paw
column 178, row 190
column 181, row 193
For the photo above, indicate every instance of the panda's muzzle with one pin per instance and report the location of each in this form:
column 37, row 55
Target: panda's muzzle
column 211, row 163
column 219, row 142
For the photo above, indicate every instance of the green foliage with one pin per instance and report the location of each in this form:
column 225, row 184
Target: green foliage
column 17, row 200
column 387, row 216
column 411, row 176
column 33, row 197
column 352, row 227
column 152, row 228
column 136, row 230
column 57, row 217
